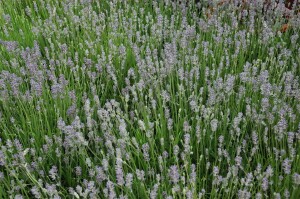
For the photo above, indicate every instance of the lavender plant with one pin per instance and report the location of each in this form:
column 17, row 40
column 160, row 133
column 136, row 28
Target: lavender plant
column 148, row 99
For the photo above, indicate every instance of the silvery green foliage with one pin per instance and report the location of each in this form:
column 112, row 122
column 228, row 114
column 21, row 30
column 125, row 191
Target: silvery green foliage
column 148, row 99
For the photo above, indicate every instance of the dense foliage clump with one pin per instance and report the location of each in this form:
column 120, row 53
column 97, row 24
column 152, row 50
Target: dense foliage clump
column 149, row 99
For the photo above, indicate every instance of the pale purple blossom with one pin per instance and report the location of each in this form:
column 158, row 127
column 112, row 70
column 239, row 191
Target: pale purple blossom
column 174, row 174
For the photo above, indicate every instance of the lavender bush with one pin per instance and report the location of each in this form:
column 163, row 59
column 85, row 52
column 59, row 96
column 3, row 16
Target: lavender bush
column 149, row 99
